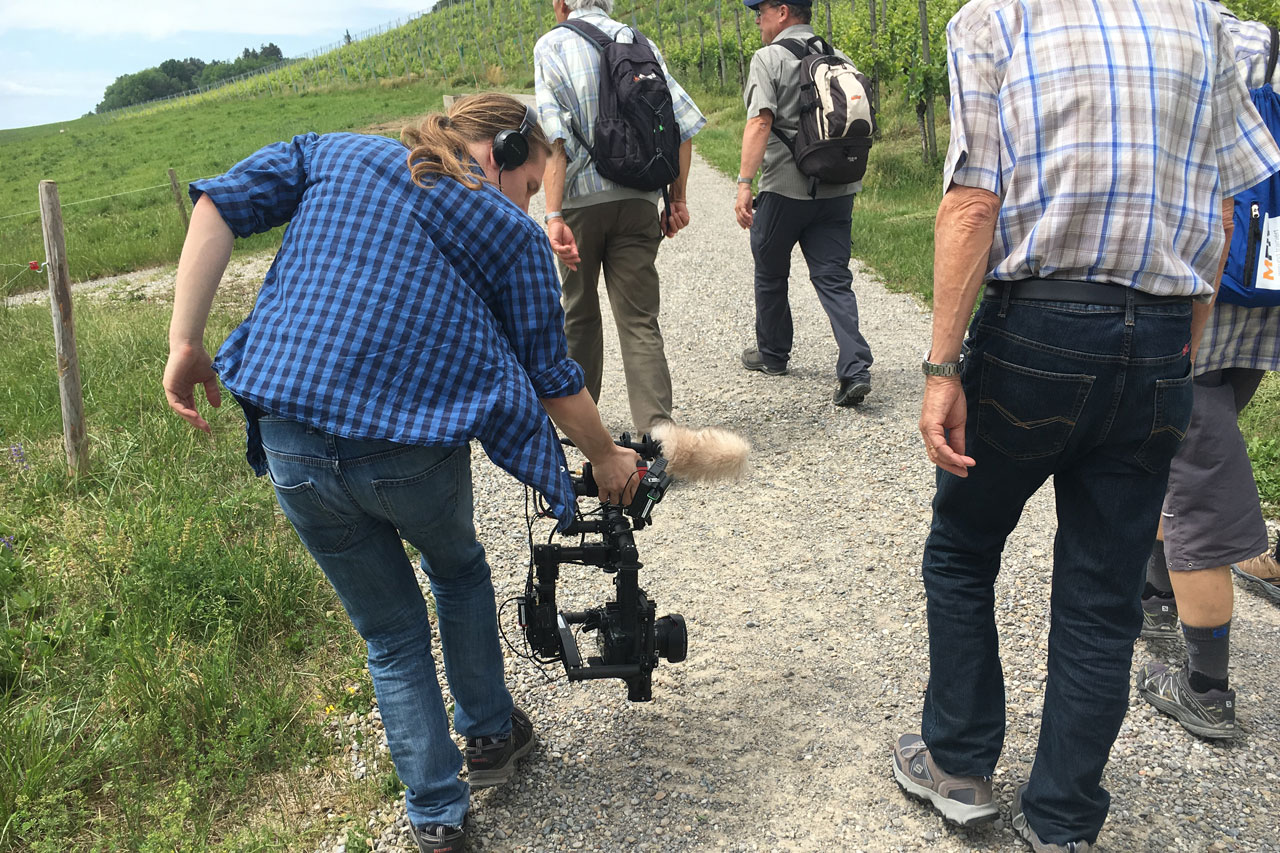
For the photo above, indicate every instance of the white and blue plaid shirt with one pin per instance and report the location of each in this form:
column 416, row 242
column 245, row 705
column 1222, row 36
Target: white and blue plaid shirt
column 1111, row 130
column 566, row 73
column 422, row 316
column 1236, row 336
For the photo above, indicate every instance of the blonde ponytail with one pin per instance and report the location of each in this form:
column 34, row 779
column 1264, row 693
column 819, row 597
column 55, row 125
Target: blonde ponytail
column 440, row 145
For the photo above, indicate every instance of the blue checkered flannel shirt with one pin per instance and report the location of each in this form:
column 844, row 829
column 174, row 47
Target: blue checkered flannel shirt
column 1111, row 130
column 422, row 316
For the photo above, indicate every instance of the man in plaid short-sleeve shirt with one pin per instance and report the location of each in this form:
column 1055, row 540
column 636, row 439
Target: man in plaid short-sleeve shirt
column 1094, row 148
column 593, row 222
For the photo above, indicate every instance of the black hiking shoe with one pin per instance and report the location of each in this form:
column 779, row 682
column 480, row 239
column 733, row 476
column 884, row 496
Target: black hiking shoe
column 753, row 360
column 1211, row 714
column 439, row 838
column 491, row 761
column 1159, row 618
column 851, row 392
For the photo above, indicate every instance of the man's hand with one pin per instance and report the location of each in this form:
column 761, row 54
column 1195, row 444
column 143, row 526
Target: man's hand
column 942, row 422
column 616, row 475
column 189, row 365
column 675, row 217
column 742, row 206
column 563, row 243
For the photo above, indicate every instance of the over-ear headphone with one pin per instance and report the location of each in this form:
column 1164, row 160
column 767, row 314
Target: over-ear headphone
column 511, row 147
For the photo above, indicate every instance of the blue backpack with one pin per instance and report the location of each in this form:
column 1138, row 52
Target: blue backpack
column 1252, row 274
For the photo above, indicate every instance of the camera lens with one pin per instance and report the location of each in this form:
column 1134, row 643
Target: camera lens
column 671, row 638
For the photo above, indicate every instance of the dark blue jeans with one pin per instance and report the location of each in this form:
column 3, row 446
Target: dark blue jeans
column 1098, row 397
column 351, row 503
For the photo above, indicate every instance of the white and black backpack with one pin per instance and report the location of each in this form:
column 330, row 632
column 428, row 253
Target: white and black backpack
column 836, row 118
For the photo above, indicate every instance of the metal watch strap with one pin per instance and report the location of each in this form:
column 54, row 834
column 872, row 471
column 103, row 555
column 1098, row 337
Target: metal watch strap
column 946, row 368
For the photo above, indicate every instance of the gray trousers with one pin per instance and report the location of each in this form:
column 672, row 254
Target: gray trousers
column 821, row 227
column 623, row 238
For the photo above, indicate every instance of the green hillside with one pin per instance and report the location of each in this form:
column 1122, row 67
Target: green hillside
column 169, row 655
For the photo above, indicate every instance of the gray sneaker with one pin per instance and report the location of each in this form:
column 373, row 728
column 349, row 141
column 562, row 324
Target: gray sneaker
column 1029, row 835
column 1211, row 714
column 1159, row 618
column 963, row 800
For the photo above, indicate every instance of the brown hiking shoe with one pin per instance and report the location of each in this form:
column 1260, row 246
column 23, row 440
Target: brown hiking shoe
column 961, row 799
column 1261, row 574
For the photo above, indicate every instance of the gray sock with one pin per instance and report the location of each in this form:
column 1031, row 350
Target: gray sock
column 1208, row 653
column 1158, row 573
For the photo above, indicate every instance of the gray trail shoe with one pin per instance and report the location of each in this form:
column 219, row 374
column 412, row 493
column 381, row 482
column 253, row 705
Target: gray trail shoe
column 1029, row 835
column 963, row 800
column 491, row 761
column 1211, row 714
column 1160, row 619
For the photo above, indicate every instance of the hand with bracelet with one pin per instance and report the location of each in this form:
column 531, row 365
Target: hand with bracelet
column 562, row 240
column 943, row 416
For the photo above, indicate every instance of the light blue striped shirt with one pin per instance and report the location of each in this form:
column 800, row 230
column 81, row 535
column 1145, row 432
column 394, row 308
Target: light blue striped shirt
column 1111, row 130
column 566, row 72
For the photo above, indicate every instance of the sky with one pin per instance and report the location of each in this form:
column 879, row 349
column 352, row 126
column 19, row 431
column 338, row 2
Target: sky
column 58, row 56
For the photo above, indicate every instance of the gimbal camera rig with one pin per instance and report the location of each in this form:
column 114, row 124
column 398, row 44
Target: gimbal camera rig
column 629, row 638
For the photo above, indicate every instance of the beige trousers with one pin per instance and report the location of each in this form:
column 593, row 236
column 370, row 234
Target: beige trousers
column 623, row 238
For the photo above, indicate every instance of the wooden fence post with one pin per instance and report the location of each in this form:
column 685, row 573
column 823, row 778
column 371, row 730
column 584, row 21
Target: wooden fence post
column 742, row 71
column 64, row 330
column 177, row 196
column 720, row 43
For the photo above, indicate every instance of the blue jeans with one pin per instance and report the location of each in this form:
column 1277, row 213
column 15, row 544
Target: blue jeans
column 1097, row 397
column 351, row 503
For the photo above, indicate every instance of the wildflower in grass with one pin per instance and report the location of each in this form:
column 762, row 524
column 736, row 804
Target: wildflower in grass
column 19, row 457
column 329, row 709
column 6, row 542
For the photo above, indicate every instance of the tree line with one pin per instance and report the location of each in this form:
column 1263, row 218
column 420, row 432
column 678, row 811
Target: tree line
column 182, row 75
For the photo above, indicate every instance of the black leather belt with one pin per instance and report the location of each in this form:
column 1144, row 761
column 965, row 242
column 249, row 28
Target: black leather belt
column 1069, row 290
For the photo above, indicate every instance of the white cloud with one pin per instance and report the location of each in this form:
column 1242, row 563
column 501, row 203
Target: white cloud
column 157, row 19
column 54, row 85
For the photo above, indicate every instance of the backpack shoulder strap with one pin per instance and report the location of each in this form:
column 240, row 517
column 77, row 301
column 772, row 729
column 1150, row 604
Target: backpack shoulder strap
column 817, row 44
column 797, row 48
column 590, row 32
column 1271, row 60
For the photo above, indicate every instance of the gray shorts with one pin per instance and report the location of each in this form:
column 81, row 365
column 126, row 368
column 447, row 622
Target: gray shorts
column 1212, row 516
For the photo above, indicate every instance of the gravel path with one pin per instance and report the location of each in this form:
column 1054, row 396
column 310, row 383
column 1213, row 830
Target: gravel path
column 807, row 645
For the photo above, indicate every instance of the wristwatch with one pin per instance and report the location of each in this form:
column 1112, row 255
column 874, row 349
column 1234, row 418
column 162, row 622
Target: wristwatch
column 555, row 214
column 743, row 180
column 946, row 368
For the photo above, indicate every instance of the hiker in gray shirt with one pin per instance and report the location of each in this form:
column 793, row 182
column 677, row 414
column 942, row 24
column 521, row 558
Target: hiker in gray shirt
column 785, row 212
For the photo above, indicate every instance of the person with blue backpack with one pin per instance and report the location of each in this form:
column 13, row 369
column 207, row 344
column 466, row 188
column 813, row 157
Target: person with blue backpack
column 1212, row 520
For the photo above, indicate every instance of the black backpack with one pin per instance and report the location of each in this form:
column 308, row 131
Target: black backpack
column 636, row 141
column 836, row 118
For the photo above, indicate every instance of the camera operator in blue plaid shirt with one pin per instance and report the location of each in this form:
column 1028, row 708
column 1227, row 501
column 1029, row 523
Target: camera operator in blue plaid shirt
column 413, row 306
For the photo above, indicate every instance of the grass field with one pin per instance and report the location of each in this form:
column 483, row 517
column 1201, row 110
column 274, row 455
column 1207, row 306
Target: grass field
column 170, row 658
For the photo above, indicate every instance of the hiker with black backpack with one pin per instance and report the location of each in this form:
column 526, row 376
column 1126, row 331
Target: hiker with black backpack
column 810, row 124
column 622, row 131
column 1212, row 522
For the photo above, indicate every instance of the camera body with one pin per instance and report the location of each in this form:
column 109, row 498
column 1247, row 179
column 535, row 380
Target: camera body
column 630, row 638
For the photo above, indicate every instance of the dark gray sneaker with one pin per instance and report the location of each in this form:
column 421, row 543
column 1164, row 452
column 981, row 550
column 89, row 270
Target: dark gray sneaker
column 963, row 800
column 491, row 761
column 1211, row 714
column 753, row 360
column 439, row 838
column 1159, row 618
column 1029, row 835
column 851, row 392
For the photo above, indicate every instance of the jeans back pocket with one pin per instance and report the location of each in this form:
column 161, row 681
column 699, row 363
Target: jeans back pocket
column 1173, row 399
column 1027, row 413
